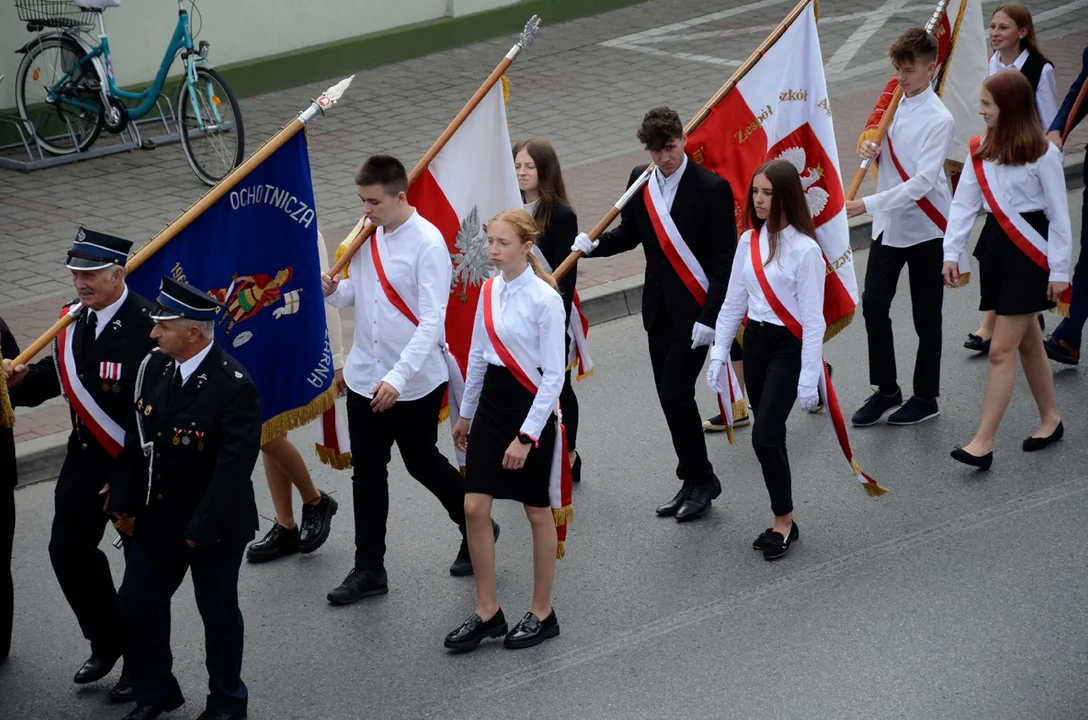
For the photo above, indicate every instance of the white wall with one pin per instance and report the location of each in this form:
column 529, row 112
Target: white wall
column 237, row 29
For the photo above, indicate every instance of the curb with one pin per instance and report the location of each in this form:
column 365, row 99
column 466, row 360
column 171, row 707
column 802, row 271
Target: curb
column 41, row 459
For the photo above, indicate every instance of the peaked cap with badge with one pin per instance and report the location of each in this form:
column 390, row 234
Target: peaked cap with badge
column 179, row 300
column 93, row 250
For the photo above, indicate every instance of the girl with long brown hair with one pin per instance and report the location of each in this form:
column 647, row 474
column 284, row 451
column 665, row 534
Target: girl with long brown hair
column 778, row 265
column 1016, row 176
column 509, row 429
column 544, row 193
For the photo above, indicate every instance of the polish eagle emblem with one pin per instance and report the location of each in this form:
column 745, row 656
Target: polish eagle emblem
column 471, row 263
column 816, row 197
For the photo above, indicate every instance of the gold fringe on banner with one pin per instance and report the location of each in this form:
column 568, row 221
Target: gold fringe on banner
column 1061, row 309
column 583, row 376
column 7, row 412
column 125, row 525
column 561, row 550
column 291, row 419
column 563, row 515
column 444, row 414
column 340, row 250
column 838, row 326
column 952, row 167
column 338, row 461
column 571, row 365
column 964, row 279
column 874, row 489
column 740, row 337
column 730, row 435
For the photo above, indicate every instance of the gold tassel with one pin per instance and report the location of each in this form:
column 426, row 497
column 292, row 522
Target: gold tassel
column 443, row 414
column 1061, row 309
column 124, row 525
column 874, row 489
column 837, row 327
column 740, row 337
column 7, row 412
column 570, row 367
column 964, row 279
column 340, row 250
column 563, row 515
column 816, row 9
column 338, row 461
column 740, row 410
column 730, row 435
column 291, row 419
column 561, row 550
column 583, row 376
column 505, row 89
column 952, row 167
column 462, row 470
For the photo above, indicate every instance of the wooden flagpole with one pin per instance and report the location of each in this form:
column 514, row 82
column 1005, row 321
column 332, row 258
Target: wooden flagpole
column 692, row 125
column 320, row 105
column 364, row 230
column 893, row 105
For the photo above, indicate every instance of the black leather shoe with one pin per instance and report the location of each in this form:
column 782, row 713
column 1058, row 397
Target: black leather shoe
column 576, row 469
column 531, row 631
column 1061, row 351
column 216, row 715
column 1033, row 444
column 277, row 542
column 122, row 692
column 698, row 500
column 462, row 564
column 96, row 668
column 775, row 546
column 357, row 585
column 977, row 344
column 982, row 463
column 672, row 506
column 474, row 630
column 316, row 523
column 150, row 712
column 758, row 543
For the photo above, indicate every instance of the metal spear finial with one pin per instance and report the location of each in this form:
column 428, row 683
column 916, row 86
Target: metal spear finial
column 532, row 28
column 334, row 93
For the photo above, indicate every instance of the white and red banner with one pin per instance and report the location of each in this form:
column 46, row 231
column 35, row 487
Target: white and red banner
column 962, row 69
column 781, row 110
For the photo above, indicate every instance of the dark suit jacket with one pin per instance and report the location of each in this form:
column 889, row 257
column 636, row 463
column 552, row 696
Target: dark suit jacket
column 206, row 441
column 126, row 339
column 8, row 471
column 555, row 245
column 703, row 213
column 1071, row 97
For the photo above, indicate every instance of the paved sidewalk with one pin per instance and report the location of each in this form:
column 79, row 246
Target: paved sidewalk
column 583, row 84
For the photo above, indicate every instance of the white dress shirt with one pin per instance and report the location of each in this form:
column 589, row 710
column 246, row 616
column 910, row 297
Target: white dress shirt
column 921, row 134
column 1046, row 94
column 1039, row 185
column 532, row 312
column 189, row 367
column 669, row 184
column 387, row 347
column 106, row 314
column 798, row 268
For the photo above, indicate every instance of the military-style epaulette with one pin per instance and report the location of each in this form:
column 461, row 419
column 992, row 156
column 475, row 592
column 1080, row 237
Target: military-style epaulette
column 234, row 372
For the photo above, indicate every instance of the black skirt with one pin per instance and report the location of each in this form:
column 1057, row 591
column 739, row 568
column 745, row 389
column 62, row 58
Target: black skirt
column 1011, row 283
column 504, row 403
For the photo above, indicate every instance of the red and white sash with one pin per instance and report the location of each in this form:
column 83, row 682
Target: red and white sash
column 517, row 361
column 108, row 433
column 1027, row 238
column 577, row 329
column 456, row 389
column 785, row 307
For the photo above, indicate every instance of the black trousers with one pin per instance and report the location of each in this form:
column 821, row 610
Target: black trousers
column 82, row 570
column 413, row 426
column 568, row 401
column 7, row 585
column 772, row 366
column 676, row 370
column 151, row 579
column 924, row 262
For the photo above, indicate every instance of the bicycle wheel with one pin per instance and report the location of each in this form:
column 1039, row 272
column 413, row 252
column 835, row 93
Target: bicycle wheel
column 212, row 135
column 61, row 128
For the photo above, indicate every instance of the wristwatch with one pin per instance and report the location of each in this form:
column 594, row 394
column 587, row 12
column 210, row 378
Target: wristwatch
column 525, row 439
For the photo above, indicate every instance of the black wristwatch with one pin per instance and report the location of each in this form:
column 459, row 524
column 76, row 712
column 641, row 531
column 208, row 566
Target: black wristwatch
column 525, row 439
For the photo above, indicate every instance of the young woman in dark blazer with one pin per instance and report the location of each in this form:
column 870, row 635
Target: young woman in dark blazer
column 544, row 195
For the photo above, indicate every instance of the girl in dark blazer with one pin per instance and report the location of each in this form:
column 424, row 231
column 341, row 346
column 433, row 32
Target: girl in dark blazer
column 544, row 195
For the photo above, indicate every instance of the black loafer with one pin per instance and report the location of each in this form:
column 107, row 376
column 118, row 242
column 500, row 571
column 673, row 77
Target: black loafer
column 462, row 564
column 532, row 631
column 982, row 463
column 699, row 500
column 758, row 543
column 976, row 344
column 96, row 668
column 669, row 509
column 1032, row 444
column 474, row 630
column 775, row 546
column 1061, row 351
column 122, row 692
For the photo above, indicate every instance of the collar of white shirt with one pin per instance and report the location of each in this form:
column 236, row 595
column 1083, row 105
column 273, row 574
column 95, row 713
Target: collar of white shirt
column 189, row 366
column 917, row 101
column 409, row 223
column 531, row 207
column 1018, row 63
column 510, row 288
column 672, row 180
column 106, row 314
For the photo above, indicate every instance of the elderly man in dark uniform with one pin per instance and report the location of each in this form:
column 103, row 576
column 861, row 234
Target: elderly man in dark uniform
column 187, row 485
column 9, row 478
column 94, row 365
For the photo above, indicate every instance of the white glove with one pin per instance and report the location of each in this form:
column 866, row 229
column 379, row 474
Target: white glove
column 701, row 335
column 807, row 397
column 584, row 245
column 713, row 377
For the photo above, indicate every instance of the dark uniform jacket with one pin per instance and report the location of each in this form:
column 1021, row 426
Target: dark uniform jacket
column 703, row 213
column 126, row 340
column 554, row 244
column 8, row 473
column 206, row 441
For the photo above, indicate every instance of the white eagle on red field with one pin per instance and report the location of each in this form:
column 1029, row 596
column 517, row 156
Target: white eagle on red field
column 817, row 197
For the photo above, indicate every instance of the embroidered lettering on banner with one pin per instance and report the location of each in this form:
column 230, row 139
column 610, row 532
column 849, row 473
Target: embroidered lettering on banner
column 745, row 133
column 826, row 105
column 793, row 96
column 839, row 262
column 324, row 367
column 278, row 198
column 178, row 273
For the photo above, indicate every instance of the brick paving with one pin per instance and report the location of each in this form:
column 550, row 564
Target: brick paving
column 584, row 85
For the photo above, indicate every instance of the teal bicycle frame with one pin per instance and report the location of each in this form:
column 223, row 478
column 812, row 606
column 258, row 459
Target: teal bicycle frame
column 182, row 41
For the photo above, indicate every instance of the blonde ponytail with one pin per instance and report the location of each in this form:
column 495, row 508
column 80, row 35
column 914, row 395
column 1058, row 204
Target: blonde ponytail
column 525, row 227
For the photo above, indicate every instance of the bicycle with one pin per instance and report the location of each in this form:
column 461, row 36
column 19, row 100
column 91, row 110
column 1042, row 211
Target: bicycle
column 69, row 85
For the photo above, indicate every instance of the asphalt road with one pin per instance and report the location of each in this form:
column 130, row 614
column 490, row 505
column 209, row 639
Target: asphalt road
column 957, row 595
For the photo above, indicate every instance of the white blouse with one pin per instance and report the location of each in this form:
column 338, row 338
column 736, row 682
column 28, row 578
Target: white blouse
column 1046, row 94
column 1038, row 185
column 797, row 268
column 533, row 314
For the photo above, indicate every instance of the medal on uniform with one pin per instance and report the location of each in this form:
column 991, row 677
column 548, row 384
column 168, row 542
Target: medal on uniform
column 147, row 410
column 199, row 440
column 117, row 387
column 177, row 437
column 185, row 438
column 105, row 387
column 140, row 404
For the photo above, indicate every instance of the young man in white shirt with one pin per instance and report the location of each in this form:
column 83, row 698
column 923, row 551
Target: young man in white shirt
column 910, row 211
column 395, row 372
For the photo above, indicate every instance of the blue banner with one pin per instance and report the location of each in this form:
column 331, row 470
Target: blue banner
column 255, row 250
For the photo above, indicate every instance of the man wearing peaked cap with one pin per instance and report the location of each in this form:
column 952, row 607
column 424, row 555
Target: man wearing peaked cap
column 186, row 484
column 94, row 362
